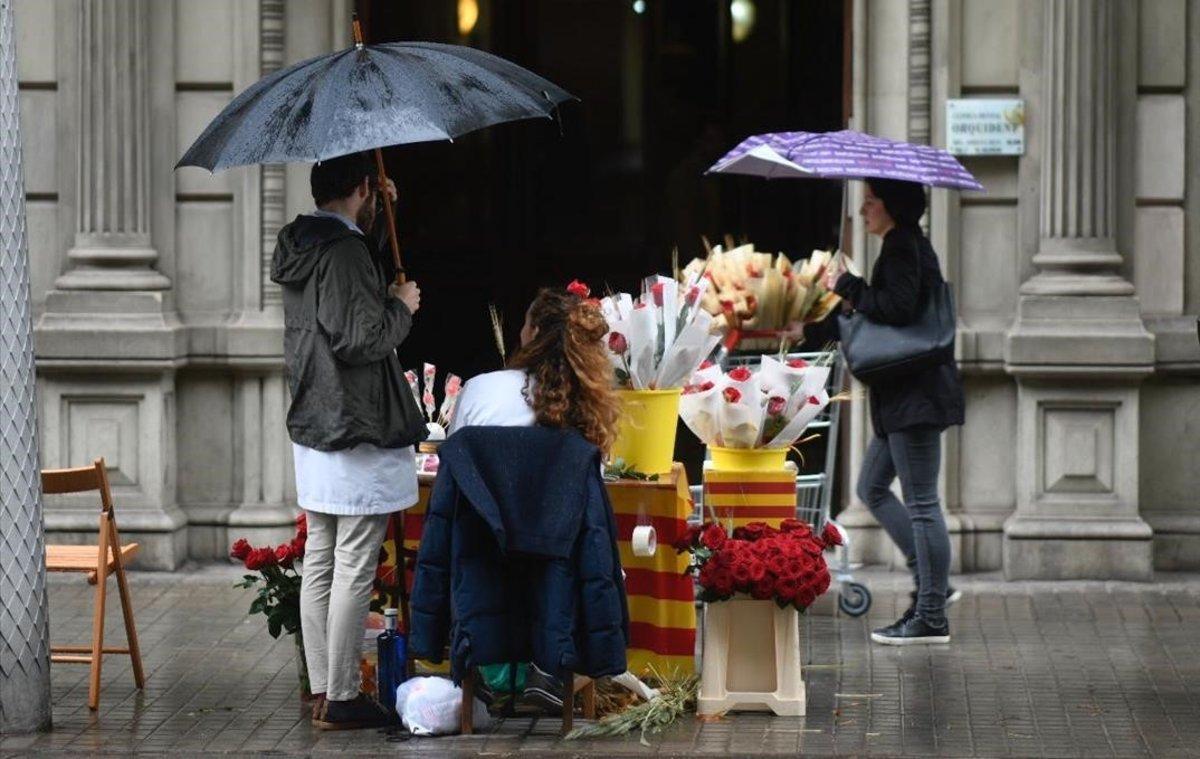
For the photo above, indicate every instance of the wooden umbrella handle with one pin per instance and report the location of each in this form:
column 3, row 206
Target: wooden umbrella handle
column 388, row 212
column 391, row 218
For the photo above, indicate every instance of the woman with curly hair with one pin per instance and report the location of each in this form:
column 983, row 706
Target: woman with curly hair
column 561, row 376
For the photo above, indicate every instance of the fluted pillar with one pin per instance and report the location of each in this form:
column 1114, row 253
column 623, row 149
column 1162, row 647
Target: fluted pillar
column 1078, row 348
column 113, row 249
column 1077, row 251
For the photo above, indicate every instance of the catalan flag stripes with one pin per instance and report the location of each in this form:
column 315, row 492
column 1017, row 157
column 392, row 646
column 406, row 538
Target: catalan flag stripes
column 738, row 498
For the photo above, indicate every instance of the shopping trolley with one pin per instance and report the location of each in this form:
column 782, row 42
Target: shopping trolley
column 814, row 492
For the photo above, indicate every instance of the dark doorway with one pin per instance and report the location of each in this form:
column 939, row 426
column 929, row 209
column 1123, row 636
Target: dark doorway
column 606, row 192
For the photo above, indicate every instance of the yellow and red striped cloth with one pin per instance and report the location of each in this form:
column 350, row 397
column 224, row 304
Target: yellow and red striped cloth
column 661, row 597
column 737, row 498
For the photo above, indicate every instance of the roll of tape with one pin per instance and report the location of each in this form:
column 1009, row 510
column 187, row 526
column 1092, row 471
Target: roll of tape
column 644, row 541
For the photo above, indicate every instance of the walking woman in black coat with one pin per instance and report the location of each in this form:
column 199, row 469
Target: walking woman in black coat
column 909, row 413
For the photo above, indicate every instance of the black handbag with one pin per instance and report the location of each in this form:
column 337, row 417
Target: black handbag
column 876, row 352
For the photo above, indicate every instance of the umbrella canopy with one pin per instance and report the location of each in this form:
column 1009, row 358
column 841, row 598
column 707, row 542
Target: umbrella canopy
column 844, row 155
column 371, row 96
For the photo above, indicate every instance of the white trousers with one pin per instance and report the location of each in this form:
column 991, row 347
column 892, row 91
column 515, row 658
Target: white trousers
column 340, row 558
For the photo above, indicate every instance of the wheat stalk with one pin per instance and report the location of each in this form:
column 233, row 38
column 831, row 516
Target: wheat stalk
column 498, row 329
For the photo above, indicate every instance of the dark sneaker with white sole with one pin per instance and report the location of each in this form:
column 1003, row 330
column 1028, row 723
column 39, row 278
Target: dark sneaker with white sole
column 912, row 631
column 359, row 713
column 543, row 690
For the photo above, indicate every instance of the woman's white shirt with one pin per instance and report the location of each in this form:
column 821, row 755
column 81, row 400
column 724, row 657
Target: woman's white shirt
column 495, row 399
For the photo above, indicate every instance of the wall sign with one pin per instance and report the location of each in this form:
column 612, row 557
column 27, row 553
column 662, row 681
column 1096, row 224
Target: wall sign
column 985, row 126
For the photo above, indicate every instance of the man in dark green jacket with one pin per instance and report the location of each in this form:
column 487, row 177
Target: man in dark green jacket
column 352, row 420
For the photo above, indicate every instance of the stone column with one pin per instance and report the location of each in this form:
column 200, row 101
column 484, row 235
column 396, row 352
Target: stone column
column 109, row 342
column 113, row 249
column 1078, row 346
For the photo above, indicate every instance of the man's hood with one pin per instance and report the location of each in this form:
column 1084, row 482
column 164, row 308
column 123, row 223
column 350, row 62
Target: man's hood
column 296, row 253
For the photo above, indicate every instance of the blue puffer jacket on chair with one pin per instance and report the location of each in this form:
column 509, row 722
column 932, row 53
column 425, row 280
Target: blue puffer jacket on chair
column 518, row 558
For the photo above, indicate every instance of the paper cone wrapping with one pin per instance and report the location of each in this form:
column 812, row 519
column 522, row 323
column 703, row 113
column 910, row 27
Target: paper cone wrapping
column 804, row 417
column 700, row 412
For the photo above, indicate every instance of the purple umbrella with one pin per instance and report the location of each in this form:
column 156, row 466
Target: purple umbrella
column 843, row 155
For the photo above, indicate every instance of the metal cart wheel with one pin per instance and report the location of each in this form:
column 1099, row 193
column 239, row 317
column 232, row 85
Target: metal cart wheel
column 855, row 600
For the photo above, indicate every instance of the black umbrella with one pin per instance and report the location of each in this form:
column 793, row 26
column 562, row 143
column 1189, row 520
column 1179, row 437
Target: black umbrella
column 368, row 97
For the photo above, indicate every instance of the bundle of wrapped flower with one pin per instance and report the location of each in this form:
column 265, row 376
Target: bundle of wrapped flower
column 756, row 295
column 744, row 410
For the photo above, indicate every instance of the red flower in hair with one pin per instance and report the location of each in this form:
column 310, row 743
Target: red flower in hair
column 241, row 549
column 656, row 290
column 797, row 363
column 732, row 394
column 740, row 374
column 580, row 289
column 617, row 342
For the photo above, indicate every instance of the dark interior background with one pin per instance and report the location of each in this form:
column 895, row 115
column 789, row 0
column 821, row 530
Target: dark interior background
column 606, row 192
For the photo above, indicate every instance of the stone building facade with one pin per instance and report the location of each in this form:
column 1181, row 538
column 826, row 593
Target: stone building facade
column 1077, row 272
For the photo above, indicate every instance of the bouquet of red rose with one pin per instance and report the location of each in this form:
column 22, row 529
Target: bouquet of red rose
column 786, row 565
column 279, row 596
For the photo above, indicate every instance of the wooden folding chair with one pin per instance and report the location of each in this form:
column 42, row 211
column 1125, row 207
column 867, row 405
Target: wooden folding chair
column 98, row 562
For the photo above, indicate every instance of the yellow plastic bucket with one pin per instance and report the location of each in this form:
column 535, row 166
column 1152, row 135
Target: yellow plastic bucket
column 748, row 459
column 646, row 437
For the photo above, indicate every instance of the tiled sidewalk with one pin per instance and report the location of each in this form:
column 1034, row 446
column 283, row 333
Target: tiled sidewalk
column 1035, row 669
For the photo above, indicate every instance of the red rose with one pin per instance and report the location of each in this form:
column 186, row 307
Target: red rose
column 722, row 581
column 794, row 526
column 814, row 400
column 763, row 589
column 617, row 342
column 693, row 295
column 260, row 558
column 639, row 304
column 241, row 549
column 298, row 547
column 707, row 577
column 786, row 587
column 732, row 394
column 797, row 363
column 830, row 535
column 713, row 536
column 823, row 581
column 706, row 364
column 776, row 405
column 686, row 539
column 284, row 555
column 741, row 573
column 740, row 374
column 804, row 597
column 727, row 306
column 758, row 571
column 702, row 388
column 656, row 290
column 580, row 289
column 302, row 522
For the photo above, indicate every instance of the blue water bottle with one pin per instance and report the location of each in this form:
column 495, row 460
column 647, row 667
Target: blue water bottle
column 392, row 666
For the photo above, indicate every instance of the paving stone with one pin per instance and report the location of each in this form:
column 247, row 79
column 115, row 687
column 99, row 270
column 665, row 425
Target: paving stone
column 1035, row 669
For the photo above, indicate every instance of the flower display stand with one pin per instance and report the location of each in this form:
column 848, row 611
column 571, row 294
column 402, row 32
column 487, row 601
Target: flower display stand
column 751, row 659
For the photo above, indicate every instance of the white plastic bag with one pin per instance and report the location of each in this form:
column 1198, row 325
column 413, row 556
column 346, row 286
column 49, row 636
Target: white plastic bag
column 432, row 706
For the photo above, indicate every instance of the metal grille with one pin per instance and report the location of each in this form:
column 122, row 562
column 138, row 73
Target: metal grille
column 24, row 655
